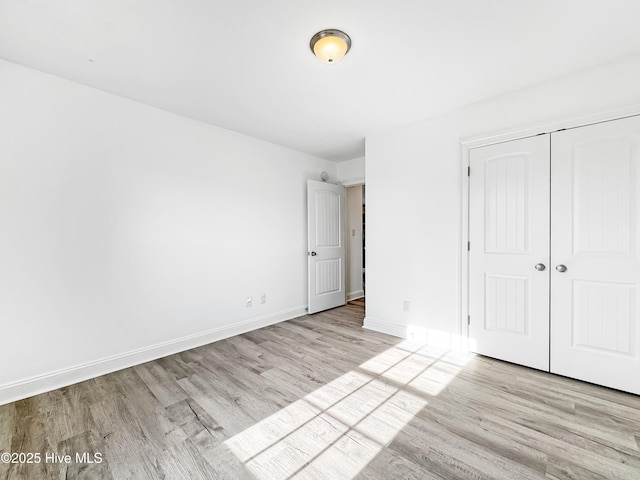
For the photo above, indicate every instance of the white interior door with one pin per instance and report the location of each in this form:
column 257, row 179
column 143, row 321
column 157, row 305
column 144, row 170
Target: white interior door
column 326, row 245
column 595, row 323
column 509, row 237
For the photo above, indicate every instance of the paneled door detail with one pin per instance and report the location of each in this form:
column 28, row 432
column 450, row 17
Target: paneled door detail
column 326, row 249
column 509, row 251
column 595, row 254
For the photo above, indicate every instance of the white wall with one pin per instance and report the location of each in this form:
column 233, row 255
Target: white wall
column 127, row 232
column 351, row 172
column 414, row 179
column 354, row 243
column 412, row 227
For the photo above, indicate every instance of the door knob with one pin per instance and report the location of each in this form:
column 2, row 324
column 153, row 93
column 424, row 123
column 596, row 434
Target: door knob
column 313, row 254
column 540, row 267
column 561, row 268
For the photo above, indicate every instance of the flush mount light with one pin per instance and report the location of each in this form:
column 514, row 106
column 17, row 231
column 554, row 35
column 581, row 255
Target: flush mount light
column 330, row 45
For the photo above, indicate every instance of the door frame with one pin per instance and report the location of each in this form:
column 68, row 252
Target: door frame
column 468, row 143
column 347, row 243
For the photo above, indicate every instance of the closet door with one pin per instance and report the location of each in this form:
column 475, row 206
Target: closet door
column 595, row 254
column 509, row 251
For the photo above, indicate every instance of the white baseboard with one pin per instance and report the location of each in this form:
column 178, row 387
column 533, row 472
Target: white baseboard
column 433, row 338
column 355, row 295
column 385, row 327
column 61, row 378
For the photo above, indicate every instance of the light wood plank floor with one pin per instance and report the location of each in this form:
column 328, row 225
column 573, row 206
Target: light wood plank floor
column 319, row 397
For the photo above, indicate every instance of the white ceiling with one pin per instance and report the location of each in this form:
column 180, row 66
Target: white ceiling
column 245, row 65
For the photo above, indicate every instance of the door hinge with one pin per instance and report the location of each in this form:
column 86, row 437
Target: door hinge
column 468, row 320
column 468, row 246
column 468, row 171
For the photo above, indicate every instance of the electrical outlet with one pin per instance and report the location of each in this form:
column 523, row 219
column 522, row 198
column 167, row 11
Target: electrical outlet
column 249, row 301
column 406, row 305
column 264, row 298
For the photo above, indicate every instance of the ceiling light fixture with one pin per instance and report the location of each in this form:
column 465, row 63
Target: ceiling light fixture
column 330, row 45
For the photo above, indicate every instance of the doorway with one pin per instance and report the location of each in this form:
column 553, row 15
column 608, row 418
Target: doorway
column 355, row 242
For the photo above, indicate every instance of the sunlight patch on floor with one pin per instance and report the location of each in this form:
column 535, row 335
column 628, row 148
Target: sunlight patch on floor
column 426, row 369
column 336, row 430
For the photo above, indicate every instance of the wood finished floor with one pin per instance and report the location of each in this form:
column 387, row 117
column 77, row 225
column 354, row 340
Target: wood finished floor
column 319, row 397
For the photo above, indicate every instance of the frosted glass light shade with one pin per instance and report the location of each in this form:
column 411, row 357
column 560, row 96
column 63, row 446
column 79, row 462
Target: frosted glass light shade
column 330, row 45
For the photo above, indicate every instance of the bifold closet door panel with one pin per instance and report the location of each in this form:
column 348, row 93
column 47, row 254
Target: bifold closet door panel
column 509, row 251
column 595, row 253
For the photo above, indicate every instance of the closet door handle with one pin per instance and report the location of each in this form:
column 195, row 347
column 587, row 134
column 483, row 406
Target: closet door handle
column 540, row 267
column 561, row 268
